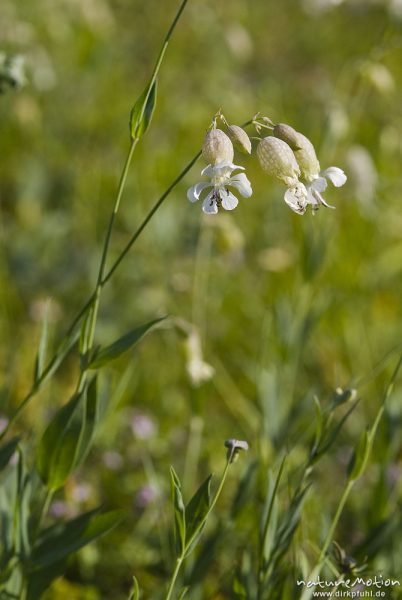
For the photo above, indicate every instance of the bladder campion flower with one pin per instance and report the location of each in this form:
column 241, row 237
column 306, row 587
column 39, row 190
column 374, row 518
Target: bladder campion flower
column 277, row 159
column 240, row 139
column 217, row 148
column 220, row 181
column 310, row 169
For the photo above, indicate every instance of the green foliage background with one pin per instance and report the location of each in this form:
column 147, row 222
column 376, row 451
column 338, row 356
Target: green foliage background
column 287, row 307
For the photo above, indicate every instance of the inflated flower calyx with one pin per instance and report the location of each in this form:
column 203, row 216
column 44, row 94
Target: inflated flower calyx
column 277, row 159
column 217, row 148
column 240, row 139
column 287, row 134
column 303, row 149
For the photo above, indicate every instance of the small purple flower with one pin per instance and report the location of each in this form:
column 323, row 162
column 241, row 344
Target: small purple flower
column 146, row 495
column 59, row 508
column 143, row 426
column 81, row 492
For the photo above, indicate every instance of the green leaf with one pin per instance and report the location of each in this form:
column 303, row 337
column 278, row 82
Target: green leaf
column 360, row 456
column 59, row 447
column 329, row 436
column 22, row 505
column 239, row 589
column 39, row 581
column 135, row 590
column 6, row 452
column 91, row 420
column 269, row 521
column 64, row 348
column 179, row 512
column 61, row 540
column 142, row 111
column 109, row 353
column 183, row 593
column 196, row 512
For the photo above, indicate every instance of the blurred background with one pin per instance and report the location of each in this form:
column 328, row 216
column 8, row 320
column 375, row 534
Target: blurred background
column 268, row 309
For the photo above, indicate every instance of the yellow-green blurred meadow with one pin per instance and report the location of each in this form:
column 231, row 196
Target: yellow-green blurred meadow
column 268, row 311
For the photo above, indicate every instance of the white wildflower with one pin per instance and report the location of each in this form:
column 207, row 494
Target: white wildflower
column 310, row 170
column 221, row 179
column 217, row 147
column 335, row 175
column 277, row 159
column 198, row 369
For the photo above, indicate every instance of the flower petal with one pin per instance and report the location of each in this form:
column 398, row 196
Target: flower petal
column 336, row 176
column 319, row 184
column 193, row 193
column 229, row 201
column 241, row 183
column 220, row 169
column 296, row 199
column 320, row 200
column 208, row 171
column 209, row 205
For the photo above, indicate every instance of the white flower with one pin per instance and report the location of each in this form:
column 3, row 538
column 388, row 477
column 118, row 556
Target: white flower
column 220, row 181
column 296, row 197
column 319, row 184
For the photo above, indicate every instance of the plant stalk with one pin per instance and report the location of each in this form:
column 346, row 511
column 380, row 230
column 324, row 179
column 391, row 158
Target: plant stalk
column 189, row 542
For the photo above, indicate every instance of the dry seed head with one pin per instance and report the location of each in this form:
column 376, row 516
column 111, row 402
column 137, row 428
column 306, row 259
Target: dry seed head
column 240, row 139
column 217, row 147
column 277, row 159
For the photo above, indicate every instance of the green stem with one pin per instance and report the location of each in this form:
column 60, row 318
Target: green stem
column 308, row 592
column 149, row 216
column 95, row 305
column 331, row 531
column 95, row 296
column 174, row 577
column 189, row 542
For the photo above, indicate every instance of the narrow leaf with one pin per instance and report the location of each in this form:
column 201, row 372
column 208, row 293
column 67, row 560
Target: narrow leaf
column 135, row 590
column 109, row 353
column 183, row 593
column 6, row 452
column 360, row 456
column 41, row 356
column 59, row 446
column 142, row 111
column 39, row 581
column 179, row 512
column 61, row 540
column 268, row 529
column 64, row 348
column 197, row 510
column 92, row 416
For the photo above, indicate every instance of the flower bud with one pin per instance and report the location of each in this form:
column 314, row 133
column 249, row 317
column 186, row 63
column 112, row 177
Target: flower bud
column 234, row 447
column 303, row 149
column 240, row 139
column 307, row 159
column 277, row 159
column 287, row 134
column 217, row 147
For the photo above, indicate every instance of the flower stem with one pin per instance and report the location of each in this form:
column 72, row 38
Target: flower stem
column 307, row 593
column 189, row 542
column 94, row 299
column 174, row 577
